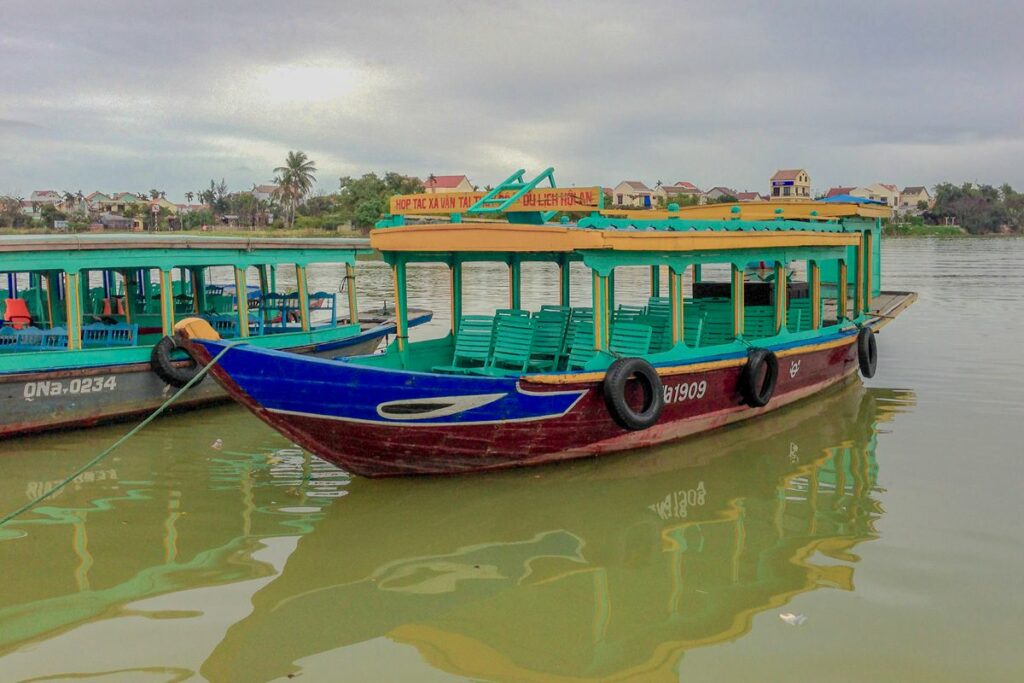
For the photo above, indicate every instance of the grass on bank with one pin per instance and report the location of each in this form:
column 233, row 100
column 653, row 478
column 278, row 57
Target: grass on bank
column 919, row 230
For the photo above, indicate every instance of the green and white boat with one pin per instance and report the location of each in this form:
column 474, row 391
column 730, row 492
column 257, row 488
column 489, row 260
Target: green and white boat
column 85, row 336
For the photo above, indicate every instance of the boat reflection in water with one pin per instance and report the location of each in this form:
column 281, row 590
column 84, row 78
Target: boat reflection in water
column 609, row 569
column 255, row 562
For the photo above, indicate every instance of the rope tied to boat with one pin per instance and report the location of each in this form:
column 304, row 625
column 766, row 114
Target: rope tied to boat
column 110, row 449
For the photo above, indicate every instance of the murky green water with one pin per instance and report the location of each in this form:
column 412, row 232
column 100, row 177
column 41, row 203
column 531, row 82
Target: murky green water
column 888, row 517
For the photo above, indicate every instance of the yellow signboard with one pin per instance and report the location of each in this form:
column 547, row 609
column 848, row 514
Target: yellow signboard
column 541, row 199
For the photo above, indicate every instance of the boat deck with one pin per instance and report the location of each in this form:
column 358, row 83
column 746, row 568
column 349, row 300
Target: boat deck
column 885, row 306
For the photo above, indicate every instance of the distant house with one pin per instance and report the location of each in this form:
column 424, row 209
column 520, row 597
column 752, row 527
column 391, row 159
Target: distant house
column 913, row 195
column 837, row 191
column 263, row 193
column 40, row 198
column 447, row 183
column 879, row 192
column 716, row 193
column 96, row 201
column 163, row 203
column 633, row 194
column 677, row 192
column 118, row 202
column 749, row 196
column 794, row 183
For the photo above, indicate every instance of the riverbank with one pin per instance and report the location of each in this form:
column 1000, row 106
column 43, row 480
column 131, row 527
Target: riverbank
column 907, row 230
column 225, row 232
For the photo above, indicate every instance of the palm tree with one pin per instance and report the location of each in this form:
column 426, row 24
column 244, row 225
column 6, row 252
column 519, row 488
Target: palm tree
column 189, row 196
column 294, row 180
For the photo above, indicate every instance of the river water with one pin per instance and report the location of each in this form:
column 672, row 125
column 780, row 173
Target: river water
column 872, row 533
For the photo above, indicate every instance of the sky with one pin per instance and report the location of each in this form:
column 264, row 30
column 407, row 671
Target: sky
column 117, row 95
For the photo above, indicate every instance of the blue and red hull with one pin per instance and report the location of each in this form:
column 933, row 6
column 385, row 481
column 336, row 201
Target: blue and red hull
column 381, row 422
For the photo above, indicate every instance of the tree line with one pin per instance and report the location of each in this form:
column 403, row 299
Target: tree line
column 360, row 202
column 979, row 209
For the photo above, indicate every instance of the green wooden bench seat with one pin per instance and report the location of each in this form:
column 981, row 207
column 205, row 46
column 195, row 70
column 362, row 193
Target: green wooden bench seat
column 513, row 340
column 551, row 323
column 472, row 344
column 630, row 339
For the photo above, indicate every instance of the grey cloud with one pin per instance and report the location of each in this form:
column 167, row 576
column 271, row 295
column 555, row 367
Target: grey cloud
column 716, row 93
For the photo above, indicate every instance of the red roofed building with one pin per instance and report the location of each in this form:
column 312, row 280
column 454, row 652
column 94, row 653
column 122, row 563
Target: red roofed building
column 678, row 192
column 447, row 183
column 836, row 191
column 749, row 196
column 791, row 183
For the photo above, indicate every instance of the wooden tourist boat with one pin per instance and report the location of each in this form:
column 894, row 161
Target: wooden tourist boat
column 563, row 382
column 84, row 336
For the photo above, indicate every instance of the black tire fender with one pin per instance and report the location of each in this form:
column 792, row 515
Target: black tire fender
column 867, row 352
column 757, row 392
column 168, row 369
column 620, row 372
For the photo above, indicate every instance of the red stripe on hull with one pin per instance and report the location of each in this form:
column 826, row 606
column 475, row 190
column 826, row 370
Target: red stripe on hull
column 373, row 450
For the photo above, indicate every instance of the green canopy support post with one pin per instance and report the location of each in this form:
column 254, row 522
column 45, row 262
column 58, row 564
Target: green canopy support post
column 611, row 294
column 261, row 272
column 564, row 281
column 696, row 273
column 515, row 282
column 456, row 287
column 842, row 303
column 147, row 280
column 869, row 252
column 131, row 294
column 402, row 313
column 781, row 292
column 47, row 278
column 353, row 301
column 83, row 295
column 303, row 286
column 675, row 295
column 814, row 275
column 199, row 282
column 601, row 310
column 656, row 281
column 167, row 302
column 858, row 275
column 73, row 301
column 273, row 277
column 264, row 280
column 242, row 297
column 737, row 301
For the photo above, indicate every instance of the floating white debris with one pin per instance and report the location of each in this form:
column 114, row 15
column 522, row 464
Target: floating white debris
column 217, row 445
column 793, row 619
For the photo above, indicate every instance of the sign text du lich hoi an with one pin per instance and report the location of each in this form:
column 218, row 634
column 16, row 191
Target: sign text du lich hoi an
column 541, row 199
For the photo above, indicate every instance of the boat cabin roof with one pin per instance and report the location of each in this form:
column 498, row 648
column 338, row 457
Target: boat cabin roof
column 762, row 210
column 606, row 242
column 54, row 252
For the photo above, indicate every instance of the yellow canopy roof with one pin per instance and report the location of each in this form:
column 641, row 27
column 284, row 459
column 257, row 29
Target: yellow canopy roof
column 506, row 237
column 760, row 211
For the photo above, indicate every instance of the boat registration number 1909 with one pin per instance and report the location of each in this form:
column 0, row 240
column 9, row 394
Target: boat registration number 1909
column 77, row 386
column 687, row 391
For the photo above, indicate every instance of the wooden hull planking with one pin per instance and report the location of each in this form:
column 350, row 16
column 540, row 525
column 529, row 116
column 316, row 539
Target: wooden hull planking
column 699, row 397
